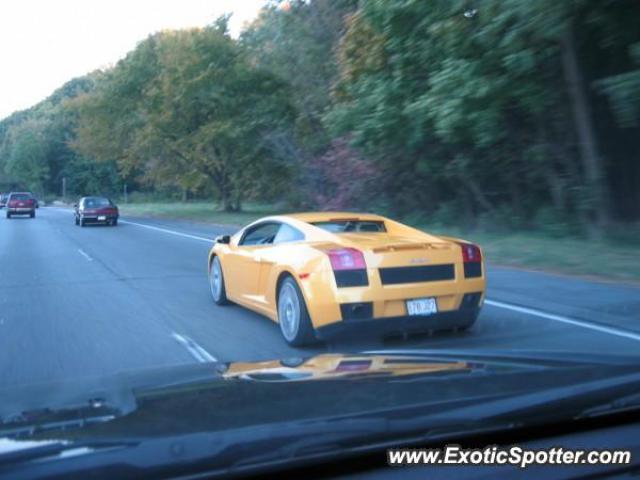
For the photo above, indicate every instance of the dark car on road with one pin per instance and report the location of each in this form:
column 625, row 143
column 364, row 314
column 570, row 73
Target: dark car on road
column 96, row 210
column 3, row 199
column 21, row 203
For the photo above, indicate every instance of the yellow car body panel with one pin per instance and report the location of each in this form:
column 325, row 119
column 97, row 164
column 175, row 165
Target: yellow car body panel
column 251, row 273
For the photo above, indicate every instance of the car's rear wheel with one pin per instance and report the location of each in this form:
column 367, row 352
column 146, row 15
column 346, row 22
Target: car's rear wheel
column 469, row 320
column 82, row 222
column 32, row 214
column 293, row 317
column 114, row 222
column 216, row 282
column 8, row 215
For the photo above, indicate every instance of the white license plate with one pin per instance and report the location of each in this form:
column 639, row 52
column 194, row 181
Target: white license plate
column 101, row 218
column 422, row 306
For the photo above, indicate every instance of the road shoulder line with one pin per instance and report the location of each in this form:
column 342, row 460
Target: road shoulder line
column 166, row 230
column 571, row 321
column 196, row 351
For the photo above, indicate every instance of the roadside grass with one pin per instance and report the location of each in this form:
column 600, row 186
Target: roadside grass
column 612, row 259
column 605, row 259
column 207, row 212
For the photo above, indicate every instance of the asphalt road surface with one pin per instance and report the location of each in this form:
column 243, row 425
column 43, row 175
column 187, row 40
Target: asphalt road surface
column 97, row 300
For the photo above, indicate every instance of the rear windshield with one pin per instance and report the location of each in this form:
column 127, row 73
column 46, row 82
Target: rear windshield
column 20, row 196
column 97, row 202
column 343, row 226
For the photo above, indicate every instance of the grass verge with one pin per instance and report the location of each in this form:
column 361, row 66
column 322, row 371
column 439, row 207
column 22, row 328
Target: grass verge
column 198, row 212
column 604, row 259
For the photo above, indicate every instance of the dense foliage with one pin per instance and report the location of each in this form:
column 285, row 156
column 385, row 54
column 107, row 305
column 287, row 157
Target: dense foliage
column 502, row 113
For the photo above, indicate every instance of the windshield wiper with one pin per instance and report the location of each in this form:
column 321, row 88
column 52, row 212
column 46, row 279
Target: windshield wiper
column 47, row 449
column 625, row 403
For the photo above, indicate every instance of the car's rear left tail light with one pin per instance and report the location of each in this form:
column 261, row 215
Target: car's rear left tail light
column 472, row 260
column 346, row 259
column 349, row 267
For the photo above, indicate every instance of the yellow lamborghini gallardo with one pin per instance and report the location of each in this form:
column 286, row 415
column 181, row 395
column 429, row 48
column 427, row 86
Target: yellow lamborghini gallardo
column 324, row 274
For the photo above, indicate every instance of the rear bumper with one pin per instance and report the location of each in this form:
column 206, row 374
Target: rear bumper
column 94, row 218
column 21, row 210
column 325, row 300
column 377, row 327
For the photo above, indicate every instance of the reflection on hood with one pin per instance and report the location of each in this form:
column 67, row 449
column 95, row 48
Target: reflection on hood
column 337, row 366
column 208, row 397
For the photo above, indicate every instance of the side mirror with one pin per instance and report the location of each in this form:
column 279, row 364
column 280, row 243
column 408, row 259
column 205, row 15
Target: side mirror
column 223, row 239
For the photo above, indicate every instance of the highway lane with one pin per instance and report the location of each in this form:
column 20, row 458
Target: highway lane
column 98, row 300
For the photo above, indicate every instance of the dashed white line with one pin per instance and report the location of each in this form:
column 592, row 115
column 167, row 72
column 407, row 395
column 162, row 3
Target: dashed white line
column 571, row 321
column 166, row 230
column 196, row 351
column 85, row 255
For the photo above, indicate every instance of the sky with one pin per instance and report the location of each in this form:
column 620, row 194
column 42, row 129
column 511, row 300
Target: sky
column 45, row 43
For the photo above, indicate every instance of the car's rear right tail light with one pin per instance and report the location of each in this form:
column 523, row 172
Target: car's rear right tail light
column 472, row 260
column 349, row 267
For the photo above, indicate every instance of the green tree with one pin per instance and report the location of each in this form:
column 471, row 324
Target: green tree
column 27, row 160
column 187, row 108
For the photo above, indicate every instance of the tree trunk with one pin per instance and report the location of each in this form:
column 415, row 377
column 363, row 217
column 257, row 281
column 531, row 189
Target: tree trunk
column 478, row 195
column 556, row 189
column 587, row 141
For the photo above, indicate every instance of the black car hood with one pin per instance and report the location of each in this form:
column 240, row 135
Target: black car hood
column 221, row 396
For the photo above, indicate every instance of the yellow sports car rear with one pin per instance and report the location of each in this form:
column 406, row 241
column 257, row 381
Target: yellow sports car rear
column 329, row 274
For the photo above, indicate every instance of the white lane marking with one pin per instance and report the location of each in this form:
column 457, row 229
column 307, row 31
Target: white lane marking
column 166, row 230
column 150, row 227
column 571, row 321
column 194, row 349
column 85, row 255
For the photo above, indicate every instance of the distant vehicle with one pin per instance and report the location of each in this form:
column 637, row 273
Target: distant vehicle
column 96, row 210
column 322, row 274
column 21, row 203
column 3, row 199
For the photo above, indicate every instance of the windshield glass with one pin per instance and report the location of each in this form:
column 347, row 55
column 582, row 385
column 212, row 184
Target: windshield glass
column 348, row 226
column 315, row 219
column 20, row 196
column 96, row 202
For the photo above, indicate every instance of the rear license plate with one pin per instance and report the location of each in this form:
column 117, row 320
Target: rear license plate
column 422, row 306
column 101, row 218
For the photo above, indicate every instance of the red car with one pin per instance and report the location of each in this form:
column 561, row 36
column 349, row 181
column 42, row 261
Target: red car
column 21, row 203
column 96, row 210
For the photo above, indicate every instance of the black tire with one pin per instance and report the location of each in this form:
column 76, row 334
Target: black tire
column 216, row 282
column 32, row 214
column 114, row 222
column 75, row 218
column 469, row 319
column 298, row 330
column 82, row 222
column 8, row 215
